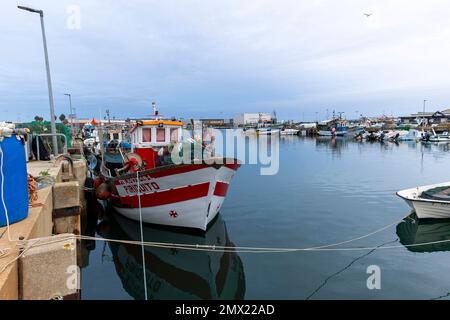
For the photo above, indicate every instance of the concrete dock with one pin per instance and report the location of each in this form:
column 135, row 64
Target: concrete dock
column 58, row 210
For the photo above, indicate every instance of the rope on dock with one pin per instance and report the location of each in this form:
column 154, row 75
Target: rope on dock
column 32, row 190
column 4, row 252
column 22, row 249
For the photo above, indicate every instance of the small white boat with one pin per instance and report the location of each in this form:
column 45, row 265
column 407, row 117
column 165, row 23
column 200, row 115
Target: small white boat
column 396, row 135
column 412, row 135
column 267, row 131
column 260, row 130
column 432, row 201
column 372, row 136
column 289, row 132
column 444, row 137
column 440, row 138
column 249, row 131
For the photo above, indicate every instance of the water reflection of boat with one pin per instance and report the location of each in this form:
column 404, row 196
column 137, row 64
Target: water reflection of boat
column 414, row 232
column 333, row 143
column 175, row 273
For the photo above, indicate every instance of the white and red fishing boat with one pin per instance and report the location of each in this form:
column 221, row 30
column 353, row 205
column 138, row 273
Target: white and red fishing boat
column 182, row 195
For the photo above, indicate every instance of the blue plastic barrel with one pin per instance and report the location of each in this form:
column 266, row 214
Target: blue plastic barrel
column 15, row 184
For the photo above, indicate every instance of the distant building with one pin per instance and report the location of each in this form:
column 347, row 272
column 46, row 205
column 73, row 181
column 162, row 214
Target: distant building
column 252, row 118
column 436, row 117
column 217, row 123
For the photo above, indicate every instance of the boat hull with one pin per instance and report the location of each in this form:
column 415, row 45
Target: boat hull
column 426, row 208
column 188, row 214
column 267, row 132
column 290, row 132
column 438, row 140
column 326, row 133
column 187, row 196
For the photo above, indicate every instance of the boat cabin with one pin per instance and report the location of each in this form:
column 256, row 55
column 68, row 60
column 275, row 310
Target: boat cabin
column 151, row 139
column 114, row 134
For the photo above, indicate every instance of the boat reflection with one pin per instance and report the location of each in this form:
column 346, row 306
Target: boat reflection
column 175, row 273
column 413, row 232
column 334, row 144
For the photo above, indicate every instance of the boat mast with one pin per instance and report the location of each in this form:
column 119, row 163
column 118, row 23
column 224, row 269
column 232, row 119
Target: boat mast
column 155, row 109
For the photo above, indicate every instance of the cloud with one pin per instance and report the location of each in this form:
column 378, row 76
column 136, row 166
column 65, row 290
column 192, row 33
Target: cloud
column 200, row 58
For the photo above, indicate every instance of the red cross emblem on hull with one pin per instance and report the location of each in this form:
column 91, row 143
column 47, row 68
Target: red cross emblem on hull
column 173, row 214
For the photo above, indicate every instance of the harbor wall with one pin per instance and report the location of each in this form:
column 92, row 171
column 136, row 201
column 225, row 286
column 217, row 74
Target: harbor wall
column 57, row 210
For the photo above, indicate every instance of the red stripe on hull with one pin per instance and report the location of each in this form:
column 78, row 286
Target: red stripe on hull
column 164, row 172
column 177, row 170
column 233, row 166
column 165, row 197
column 221, row 189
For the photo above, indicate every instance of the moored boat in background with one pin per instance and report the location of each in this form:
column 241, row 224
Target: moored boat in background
column 444, row 137
column 334, row 127
column 289, row 132
column 412, row 135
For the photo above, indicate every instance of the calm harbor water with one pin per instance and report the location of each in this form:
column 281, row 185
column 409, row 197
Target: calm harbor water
column 326, row 191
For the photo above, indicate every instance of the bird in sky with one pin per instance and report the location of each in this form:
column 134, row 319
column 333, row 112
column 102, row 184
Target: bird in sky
column 368, row 14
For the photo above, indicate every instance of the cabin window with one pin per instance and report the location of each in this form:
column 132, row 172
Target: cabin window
column 160, row 135
column 174, row 135
column 146, row 135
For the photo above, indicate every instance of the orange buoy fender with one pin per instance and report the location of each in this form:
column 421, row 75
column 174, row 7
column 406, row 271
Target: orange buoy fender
column 103, row 191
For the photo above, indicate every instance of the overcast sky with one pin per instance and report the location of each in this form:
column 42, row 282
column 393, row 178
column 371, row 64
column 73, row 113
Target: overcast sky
column 217, row 58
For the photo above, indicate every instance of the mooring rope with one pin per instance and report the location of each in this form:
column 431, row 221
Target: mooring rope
column 246, row 249
column 229, row 249
column 213, row 248
column 142, row 235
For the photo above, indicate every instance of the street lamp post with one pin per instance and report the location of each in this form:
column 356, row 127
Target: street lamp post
column 49, row 80
column 71, row 113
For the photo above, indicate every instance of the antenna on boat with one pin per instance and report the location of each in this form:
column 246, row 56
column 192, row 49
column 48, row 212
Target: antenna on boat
column 155, row 109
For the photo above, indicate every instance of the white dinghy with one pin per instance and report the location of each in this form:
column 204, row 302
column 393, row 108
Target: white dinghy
column 429, row 202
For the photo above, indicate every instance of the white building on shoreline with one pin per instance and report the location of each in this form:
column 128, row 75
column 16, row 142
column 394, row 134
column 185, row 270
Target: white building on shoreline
column 251, row 118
